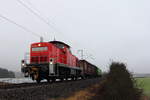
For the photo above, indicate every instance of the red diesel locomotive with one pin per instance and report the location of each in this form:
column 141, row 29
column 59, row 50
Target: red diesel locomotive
column 54, row 60
column 51, row 60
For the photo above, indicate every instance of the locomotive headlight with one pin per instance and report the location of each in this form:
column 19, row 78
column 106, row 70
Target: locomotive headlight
column 23, row 64
column 39, row 45
column 51, row 62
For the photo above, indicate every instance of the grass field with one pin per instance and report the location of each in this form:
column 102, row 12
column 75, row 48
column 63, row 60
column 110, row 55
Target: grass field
column 144, row 83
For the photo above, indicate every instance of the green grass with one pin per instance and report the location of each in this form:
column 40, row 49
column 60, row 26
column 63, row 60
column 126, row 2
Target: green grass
column 144, row 83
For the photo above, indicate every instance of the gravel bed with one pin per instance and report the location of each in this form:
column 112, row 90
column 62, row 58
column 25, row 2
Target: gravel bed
column 46, row 91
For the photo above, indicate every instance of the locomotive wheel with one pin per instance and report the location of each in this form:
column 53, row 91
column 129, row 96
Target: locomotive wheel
column 53, row 79
column 72, row 78
column 48, row 80
column 83, row 77
column 61, row 79
column 38, row 80
column 66, row 79
column 76, row 78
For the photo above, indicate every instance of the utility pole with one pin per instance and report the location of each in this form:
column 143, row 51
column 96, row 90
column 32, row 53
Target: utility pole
column 82, row 55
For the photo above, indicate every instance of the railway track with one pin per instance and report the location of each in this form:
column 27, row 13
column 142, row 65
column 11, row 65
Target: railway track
column 19, row 85
column 44, row 91
column 24, row 85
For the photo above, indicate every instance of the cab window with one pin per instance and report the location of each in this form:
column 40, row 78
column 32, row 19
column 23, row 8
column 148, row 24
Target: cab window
column 39, row 48
column 61, row 46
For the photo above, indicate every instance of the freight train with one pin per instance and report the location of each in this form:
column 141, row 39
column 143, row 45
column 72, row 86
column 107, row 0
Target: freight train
column 54, row 60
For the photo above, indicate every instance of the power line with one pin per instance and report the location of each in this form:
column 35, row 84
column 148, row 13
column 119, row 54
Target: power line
column 33, row 7
column 20, row 26
column 40, row 17
column 37, row 10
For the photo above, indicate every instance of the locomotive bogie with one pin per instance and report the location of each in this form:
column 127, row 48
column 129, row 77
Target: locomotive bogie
column 60, row 71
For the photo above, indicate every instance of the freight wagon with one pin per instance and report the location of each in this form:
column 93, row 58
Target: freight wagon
column 88, row 69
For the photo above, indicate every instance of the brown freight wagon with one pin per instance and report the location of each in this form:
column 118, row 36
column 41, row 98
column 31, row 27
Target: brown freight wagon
column 88, row 69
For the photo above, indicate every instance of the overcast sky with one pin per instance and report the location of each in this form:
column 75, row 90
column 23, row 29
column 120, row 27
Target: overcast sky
column 117, row 30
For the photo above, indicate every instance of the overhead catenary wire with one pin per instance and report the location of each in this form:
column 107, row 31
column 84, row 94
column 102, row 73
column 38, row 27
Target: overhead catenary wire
column 33, row 7
column 20, row 26
column 39, row 16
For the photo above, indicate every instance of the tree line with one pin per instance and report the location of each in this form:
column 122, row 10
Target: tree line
column 4, row 73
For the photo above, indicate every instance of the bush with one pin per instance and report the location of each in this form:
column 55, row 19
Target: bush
column 119, row 85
